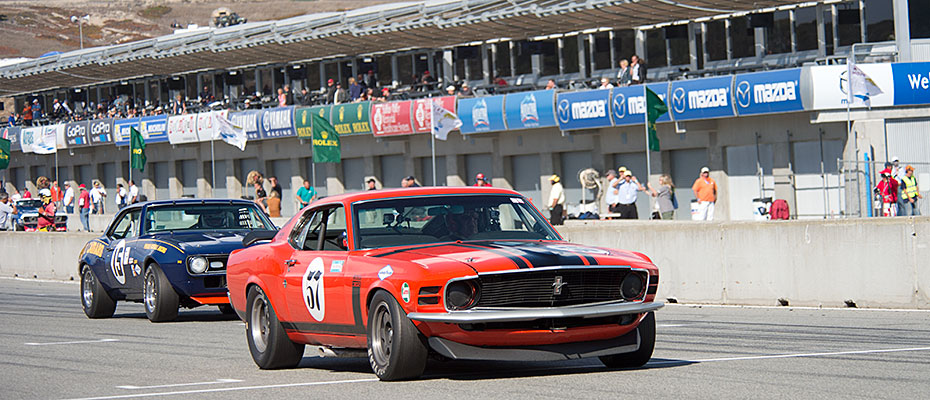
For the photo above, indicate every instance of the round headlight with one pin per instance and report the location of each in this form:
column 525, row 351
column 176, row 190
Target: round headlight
column 462, row 294
column 632, row 286
column 198, row 265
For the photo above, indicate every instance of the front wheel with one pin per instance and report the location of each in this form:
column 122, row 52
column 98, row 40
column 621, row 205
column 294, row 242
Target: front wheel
column 396, row 349
column 268, row 342
column 161, row 301
column 647, row 343
column 95, row 300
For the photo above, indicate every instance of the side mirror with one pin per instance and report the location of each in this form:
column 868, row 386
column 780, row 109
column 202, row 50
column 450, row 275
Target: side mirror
column 258, row 236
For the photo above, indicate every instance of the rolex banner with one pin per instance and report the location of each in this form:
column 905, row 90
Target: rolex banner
column 4, row 153
column 325, row 141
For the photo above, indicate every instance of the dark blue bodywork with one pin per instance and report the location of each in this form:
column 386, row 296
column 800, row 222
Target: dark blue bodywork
column 119, row 262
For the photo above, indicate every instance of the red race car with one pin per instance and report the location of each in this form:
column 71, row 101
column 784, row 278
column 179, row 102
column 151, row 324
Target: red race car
column 464, row 273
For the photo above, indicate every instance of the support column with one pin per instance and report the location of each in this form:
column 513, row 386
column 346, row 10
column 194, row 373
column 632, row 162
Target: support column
column 639, row 43
column 448, row 68
column 175, row 187
column 204, row 185
column 821, row 32
column 759, row 35
column 455, row 170
column 485, row 64
column 500, row 167
column 297, row 181
column 232, row 173
column 783, row 173
column 693, row 30
column 258, row 82
column 902, row 32
column 715, row 161
column 334, row 179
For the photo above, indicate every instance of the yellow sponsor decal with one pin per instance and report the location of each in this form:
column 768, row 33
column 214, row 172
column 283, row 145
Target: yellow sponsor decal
column 325, row 142
column 153, row 246
column 95, row 248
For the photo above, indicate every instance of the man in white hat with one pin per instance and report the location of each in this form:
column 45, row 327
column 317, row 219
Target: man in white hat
column 556, row 201
column 705, row 190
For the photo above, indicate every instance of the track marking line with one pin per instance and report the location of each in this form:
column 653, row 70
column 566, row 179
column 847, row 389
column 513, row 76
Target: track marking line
column 700, row 305
column 216, row 382
column 21, row 279
column 672, row 325
column 230, row 389
column 797, row 355
column 71, row 342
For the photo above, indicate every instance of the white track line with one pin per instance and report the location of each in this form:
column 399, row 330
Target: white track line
column 71, row 342
column 216, row 382
column 798, row 355
column 700, row 305
column 186, row 392
column 22, row 279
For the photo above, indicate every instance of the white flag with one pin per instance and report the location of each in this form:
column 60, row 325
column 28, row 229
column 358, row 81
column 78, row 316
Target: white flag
column 230, row 133
column 861, row 86
column 443, row 121
column 47, row 142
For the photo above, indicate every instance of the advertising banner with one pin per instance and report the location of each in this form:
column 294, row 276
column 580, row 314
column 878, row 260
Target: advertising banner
column 422, row 112
column 352, row 118
column 121, row 130
column 247, row 120
column 278, row 122
column 530, row 109
column 28, row 137
column 154, row 129
column 59, row 133
column 205, row 128
column 49, row 140
column 100, row 131
column 583, row 110
column 482, row 114
column 701, row 98
column 12, row 134
column 831, row 86
column 768, row 92
column 911, row 83
column 76, row 134
column 391, row 118
column 628, row 103
column 182, row 128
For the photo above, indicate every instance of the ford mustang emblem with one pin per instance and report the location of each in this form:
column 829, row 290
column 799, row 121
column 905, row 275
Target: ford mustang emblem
column 557, row 285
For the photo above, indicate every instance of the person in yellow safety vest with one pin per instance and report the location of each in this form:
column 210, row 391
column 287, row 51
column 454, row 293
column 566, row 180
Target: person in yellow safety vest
column 910, row 192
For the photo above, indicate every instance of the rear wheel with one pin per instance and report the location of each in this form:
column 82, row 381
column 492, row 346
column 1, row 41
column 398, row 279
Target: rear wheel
column 95, row 300
column 396, row 349
column 647, row 343
column 161, row 301
column 268, row 342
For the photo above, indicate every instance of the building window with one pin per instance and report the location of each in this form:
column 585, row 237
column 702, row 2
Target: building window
column 502, row 61
column 624, row 44
column 602, row 51
column 742, row 37
column 570, row 54
column 918, row 13
column 405, row 69
column 549, row 49
column 678, row 46
column 522, row 63
column 716, row 40
column 848, row 29
column 655, row 48
column 879, row 21
column 778, row 33
column 805, row 28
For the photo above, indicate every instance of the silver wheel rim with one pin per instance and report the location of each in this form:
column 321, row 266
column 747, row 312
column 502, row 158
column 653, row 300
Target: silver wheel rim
column 87, row 288
column 151, row 291
column 260, row 323
column 382, row 335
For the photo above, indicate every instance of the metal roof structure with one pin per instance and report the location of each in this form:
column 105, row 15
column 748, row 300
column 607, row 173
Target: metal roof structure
column 369, row 30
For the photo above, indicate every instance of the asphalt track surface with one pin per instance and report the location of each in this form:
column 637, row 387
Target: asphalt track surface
column 50, row 350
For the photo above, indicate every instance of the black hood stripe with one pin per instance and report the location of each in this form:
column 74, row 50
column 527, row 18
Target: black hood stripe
column 538, row 256
column 519, row 261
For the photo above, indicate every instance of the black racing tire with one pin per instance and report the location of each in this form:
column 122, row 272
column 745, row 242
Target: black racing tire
column 268, row 342
column 226, row 309
column 96, row 302
column 647, row 343
column 396, row 349
column 159, row 298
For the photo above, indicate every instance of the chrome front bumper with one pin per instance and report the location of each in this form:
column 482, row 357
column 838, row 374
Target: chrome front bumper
column 529, row 314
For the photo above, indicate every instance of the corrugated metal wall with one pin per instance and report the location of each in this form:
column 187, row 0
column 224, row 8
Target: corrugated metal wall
column 909, row 140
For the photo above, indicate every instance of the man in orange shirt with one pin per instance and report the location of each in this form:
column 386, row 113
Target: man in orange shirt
column 705, row 190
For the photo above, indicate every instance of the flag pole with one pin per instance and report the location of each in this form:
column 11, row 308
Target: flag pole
column 646, row 125
column 849, row 97
column 212, row 164
column 432, row 136
column 130, row 161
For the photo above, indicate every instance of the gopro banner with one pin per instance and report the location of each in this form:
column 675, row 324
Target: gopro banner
column 911, row 83
column 530, row 109
column 182, row 128
column 482, row 114
column 628, row 103
column 583, row 110
column 76, row 134
column 393, row 118
column 701, row 98
column 248, row 121
column 768, row 92
column 278, row 122
column 100, row 131
column 154, row 129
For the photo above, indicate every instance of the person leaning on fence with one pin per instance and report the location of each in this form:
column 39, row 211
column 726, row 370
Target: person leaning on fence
column 910, row 192
column 887, row 190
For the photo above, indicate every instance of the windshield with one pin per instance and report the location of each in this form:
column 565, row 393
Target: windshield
column 186, row 217
column 423, row 220
column 29, row 204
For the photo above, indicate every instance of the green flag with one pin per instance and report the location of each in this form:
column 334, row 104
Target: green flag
column 325, row 141
column 655, row 108
column 4, row 153
column 137, row 150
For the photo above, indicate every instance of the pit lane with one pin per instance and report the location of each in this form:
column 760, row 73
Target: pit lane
column 50, row 350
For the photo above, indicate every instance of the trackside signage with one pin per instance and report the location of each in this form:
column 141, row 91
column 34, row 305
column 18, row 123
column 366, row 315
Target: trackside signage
column 582, row 110
column 278, row 122
column 628, row 104
column 530, row 109
column 482, row 114
column 248, row 121
column 768, row 92
column 831, row 86
column 701, row 98
column 76, row 134
column 121, row 130
column 11, row 133
column 351, row 119
column 154, row 129
column 391, row 118
column 182, row 128
column 911, row 83
column 100, row 131
column 423, row 112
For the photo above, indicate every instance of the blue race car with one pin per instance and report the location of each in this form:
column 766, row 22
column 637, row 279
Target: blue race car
column 166, row 254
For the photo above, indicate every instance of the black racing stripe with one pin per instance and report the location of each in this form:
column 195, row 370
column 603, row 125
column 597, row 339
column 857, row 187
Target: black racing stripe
column 516, row 260
column 591, row 260
column 312, row 327
column 538, row 256
column 357, row 304
column 427, row 246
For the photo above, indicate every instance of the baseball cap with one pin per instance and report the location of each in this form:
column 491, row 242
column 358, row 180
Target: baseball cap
column 410, row 178
column 621, row 169
column 554, row 178
column 627, row 173
column 895, row 159
column 479, row 176
column 450, row 87
column 82, row 186
column 705, row 169
column 329, row 81
column 909, row 168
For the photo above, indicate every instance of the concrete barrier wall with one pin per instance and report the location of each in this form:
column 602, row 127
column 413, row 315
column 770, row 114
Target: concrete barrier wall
column 41, row 255
column 99, row 223
column 874, row 262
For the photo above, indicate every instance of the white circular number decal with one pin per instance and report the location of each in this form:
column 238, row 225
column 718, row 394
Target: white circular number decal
column 119, row 260
column 314, row 296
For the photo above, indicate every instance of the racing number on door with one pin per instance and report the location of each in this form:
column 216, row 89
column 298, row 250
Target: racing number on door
column 119, row 261
column 314, row 290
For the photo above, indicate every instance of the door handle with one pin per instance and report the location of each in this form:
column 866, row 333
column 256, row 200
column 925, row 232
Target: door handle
column 290, row 263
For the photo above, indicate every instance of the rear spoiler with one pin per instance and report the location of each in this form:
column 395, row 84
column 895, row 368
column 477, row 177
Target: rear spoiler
column 258, row 236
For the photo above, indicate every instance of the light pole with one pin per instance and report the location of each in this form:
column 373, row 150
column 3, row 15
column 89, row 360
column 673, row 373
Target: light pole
column 80, row 22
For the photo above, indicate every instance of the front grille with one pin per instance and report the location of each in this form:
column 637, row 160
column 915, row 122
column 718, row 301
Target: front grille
column 531, row 288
